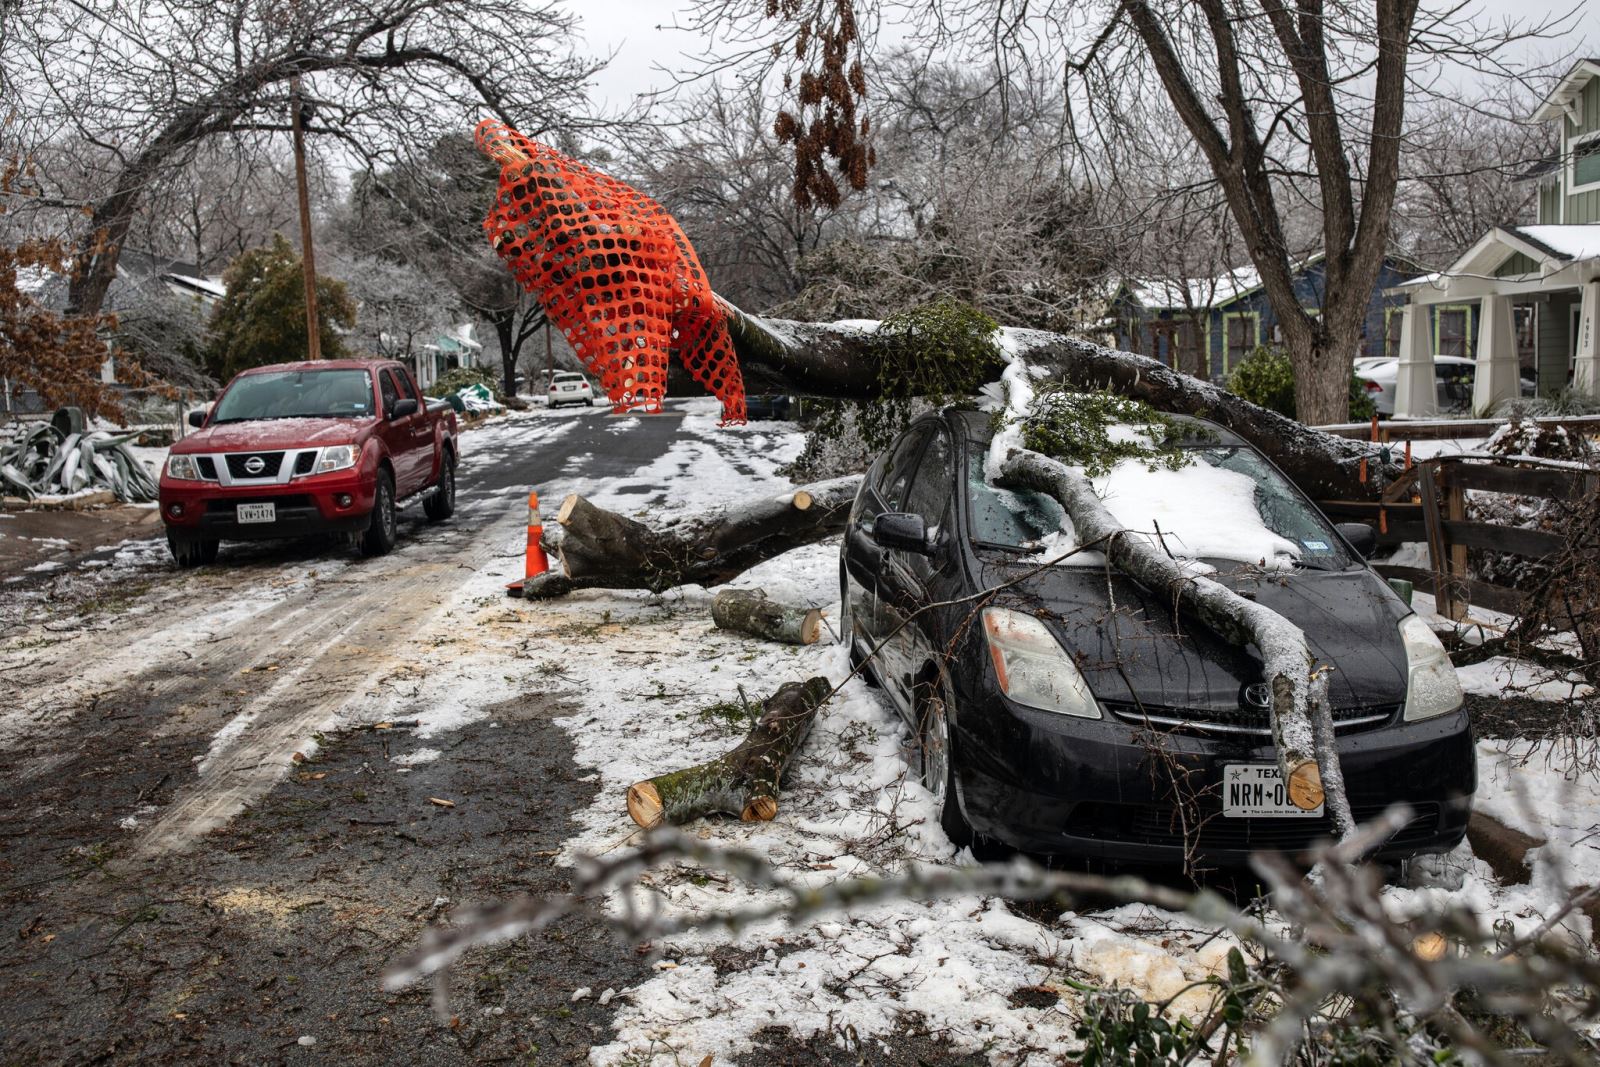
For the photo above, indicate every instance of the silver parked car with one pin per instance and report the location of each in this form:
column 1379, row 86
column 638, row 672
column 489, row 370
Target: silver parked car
column 1453, row 377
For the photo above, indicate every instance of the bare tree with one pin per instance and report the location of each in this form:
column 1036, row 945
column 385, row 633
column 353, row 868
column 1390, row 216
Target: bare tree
column 1470, row 166
column 149, row 85
column 397, row 305
column 1301, row 101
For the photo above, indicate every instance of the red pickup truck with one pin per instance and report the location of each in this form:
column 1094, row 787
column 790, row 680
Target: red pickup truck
column 329, row 447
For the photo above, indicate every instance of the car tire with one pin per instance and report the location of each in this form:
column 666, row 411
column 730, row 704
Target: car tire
column 442, row 504
column 380, row 535
column 589, row 403
column 188, row 552
column 936, row 768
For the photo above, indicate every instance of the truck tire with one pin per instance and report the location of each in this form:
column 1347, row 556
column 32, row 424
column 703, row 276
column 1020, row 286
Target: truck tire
column 380, row 536
column 442, row 504
column 188, row 552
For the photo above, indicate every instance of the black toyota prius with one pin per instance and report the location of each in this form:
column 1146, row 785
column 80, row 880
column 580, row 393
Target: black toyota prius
column 1072, row 713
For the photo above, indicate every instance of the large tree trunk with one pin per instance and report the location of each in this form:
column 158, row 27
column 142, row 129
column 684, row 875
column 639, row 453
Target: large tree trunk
column 812, row 359
column 745, row 781
column 599, row 548
column 1301, row 717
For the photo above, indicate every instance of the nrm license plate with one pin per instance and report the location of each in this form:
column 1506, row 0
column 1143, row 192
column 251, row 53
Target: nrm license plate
column 258, row 513
column 1255, row 790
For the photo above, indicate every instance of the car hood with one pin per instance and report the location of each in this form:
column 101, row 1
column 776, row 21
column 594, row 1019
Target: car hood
column 1138, row 651
column 271, row 434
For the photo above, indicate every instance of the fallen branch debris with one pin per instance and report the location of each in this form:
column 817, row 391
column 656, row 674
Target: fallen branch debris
column 745, row 781
column 749, row 611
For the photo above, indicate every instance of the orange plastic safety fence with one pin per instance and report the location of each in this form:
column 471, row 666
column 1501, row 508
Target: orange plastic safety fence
column 614, row 272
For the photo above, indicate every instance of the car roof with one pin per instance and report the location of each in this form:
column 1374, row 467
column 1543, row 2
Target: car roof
column 978, row 426
column 566, row 374
column 322, row 364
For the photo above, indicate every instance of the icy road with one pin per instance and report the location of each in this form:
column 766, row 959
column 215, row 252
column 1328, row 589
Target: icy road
column 234, row 796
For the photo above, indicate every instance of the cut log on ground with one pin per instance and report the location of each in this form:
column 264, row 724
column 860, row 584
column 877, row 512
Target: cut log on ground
column 835, row 360
column 744, row 782
column 1306, row 753
column 749, row 611
column 600, row 548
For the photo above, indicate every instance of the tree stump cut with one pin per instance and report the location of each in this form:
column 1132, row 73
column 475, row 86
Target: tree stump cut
column 749, row 611
column 745, row 781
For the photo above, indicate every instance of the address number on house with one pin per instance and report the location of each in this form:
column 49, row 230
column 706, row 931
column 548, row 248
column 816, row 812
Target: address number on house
column 1253, row 790
column 258, row 513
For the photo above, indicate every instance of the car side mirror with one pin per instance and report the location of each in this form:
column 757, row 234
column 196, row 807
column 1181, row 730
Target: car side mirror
column 403, row 407
column 901, row 530
column 1362, row 538
column 197, row 419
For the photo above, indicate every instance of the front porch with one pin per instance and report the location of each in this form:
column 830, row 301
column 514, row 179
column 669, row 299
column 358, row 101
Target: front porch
column 1543, row 279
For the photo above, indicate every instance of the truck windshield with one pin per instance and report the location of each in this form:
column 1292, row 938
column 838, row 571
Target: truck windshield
column 297, row 394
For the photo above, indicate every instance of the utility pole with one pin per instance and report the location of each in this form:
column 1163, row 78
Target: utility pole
column 298, row 113
column 549, row 356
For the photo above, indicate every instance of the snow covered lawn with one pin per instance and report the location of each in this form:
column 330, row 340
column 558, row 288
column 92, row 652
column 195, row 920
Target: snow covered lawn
column 657, row 687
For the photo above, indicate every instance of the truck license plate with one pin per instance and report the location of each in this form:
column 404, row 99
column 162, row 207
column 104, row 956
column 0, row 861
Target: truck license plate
column 1257, row 790
column 258, row 513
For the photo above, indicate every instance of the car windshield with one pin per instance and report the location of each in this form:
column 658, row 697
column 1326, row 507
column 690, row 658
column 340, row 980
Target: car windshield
column 1227, row 505
column 296, row 394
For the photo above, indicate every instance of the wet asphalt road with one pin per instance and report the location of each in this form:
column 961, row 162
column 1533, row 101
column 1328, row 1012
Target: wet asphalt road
column 255, row 906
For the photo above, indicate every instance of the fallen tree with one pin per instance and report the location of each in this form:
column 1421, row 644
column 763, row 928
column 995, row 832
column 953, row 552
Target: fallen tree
column 745, row 781
column 596, row 547
column 840, row 361
column 749, row 611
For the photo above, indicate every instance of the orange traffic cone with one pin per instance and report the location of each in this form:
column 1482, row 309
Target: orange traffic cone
column 537, row 562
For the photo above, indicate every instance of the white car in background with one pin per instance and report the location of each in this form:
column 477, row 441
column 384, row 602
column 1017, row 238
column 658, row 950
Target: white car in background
column 569, row 387
column 1452, row 376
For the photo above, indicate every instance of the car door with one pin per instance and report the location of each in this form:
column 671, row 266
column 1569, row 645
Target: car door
column 904, row 576
column 421, row 430
column 884, row 491
column 396, row 435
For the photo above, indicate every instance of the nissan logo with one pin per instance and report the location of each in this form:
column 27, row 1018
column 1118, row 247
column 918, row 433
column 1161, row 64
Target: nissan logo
column 1258, row 695
column 255, row 465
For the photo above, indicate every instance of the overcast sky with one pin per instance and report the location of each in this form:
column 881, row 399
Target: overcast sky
column 640, row 34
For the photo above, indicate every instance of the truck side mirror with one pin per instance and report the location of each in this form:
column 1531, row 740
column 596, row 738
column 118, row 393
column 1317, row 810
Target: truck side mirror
column 197, row 419
column 403, row 407
column 901, row 530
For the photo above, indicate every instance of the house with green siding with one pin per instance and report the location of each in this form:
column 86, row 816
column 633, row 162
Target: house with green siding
column 1524, row 298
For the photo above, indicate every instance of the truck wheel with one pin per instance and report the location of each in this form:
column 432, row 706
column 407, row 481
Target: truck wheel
column 380, row 536
column 442, row 504
column 190, row 552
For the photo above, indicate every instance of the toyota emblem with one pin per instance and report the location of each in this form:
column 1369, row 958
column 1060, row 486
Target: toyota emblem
column 1258, row 695
column 255, row 465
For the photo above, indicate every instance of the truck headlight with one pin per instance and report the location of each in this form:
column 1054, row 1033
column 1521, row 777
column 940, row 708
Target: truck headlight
column 183, row 468
column 1032, row 667
column 336, row 458
column 1432, row 687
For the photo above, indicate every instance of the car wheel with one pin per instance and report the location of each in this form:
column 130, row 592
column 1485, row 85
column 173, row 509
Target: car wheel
column 380, row 536
column 589, row 403
column 442, row 504
column 192, row 551
column 938, row 769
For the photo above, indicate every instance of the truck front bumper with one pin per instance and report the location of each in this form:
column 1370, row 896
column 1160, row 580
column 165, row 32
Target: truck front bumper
column 324, row 504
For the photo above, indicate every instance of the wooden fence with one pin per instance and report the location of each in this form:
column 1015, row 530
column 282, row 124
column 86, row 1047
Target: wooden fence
column 1452, row 429
column 1429, row 504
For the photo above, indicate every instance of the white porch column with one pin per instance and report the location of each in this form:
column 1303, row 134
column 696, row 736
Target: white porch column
column 1415, row 394
column 1586, row 372
column 1496, row 379
column 108, row 370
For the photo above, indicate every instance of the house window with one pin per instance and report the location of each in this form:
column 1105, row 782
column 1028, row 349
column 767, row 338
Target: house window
column 1527, row 338
column 1585, row 163
column 1452, row 330
column 1243, row 334
column 1189, row 350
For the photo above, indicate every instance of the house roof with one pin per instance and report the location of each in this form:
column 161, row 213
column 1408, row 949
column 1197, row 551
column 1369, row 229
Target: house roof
column 1554, row 248
column 1562, row 100
column 1570, row 242
column 1180, row 293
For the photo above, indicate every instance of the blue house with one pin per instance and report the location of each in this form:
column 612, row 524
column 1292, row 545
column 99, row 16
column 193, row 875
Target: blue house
column 1206, row 326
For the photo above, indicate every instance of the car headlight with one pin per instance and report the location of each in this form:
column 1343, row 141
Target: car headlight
column 1432, row 687
column 1032, row 667
column 183, row 468
column 336, row 458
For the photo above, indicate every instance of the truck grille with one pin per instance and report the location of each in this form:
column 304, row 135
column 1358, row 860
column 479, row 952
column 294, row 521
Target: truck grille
column 304, row 463
column 270, row 461
column 208, row 468
column 1243, row 720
